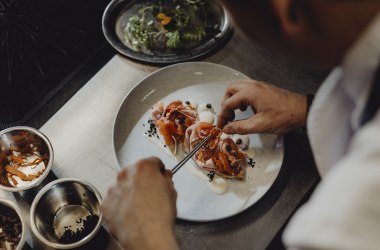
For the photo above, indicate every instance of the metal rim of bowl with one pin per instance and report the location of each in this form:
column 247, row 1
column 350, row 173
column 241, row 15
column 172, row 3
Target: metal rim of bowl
column 13, row 206
column 204, row 49
column 48, row 167
column 37, row 199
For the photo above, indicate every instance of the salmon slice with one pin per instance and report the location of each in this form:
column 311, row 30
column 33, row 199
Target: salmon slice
column 174, row 120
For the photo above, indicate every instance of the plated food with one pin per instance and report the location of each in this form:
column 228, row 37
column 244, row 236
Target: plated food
column 198, row 198
column 161, row 25
column 183, row 125
column 166, row 31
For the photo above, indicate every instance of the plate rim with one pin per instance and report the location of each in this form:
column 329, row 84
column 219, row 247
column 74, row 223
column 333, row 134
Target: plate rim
column 134, row 88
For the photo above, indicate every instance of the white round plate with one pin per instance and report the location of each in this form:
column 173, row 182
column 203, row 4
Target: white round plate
column 203, row 82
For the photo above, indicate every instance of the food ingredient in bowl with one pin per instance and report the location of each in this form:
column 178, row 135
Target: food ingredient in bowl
column 82, row 228
column 24, row 169
column 162, row 25
column 21, row 162
column 10, row 228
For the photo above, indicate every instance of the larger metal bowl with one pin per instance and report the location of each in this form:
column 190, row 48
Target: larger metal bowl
column 116, row 14
column 66, row 213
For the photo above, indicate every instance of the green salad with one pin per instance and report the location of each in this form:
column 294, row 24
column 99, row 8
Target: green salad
column 161, row 25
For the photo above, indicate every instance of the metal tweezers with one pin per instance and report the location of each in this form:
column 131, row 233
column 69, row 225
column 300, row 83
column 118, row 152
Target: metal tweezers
column 189, row 155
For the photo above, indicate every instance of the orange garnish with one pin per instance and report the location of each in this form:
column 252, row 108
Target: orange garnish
column 165, row 20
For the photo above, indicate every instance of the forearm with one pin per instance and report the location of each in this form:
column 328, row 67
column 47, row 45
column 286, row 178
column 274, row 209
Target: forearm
column 152, row 236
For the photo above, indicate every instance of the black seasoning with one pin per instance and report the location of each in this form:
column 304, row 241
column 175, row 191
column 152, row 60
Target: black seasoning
column 251, row 163
column 70, row 236
column 239, row 141
column 211, row 176
column 187, row 103
column 228, row 148
column 182, row 120
column 208, row 105
column 11, row 227
column 152, row 131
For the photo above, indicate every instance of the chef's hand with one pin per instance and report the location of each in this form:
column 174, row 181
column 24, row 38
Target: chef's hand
column 140, row 209
column 277, row 110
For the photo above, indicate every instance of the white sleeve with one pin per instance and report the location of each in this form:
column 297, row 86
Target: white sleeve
column 344, row 211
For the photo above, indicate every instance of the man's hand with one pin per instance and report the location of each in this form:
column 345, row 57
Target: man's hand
column 140, row 209
column 277, row 110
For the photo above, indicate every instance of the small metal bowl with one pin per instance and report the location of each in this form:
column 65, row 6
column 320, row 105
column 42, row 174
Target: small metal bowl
column 8, row 208
column 23, row 140
column 66, row 213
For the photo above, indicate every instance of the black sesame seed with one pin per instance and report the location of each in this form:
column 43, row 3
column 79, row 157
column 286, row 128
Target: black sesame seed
column 251, row 163
column 211, row 176
column 187, row 103
column 208, row 105
column 239, row 141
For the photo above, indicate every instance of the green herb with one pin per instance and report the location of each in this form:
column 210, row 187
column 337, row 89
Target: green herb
column 170, row 24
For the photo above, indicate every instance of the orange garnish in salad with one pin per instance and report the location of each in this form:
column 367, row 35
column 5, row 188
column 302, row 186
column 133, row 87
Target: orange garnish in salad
column 165, row 20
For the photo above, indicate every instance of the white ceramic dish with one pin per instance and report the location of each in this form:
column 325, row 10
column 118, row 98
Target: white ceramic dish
column 203, row 82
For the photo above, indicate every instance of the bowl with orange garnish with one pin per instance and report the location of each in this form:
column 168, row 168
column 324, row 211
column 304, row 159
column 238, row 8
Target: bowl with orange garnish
column 26, row 158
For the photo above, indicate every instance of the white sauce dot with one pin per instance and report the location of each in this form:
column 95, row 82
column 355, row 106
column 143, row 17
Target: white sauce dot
column 206, row 116
column 192, row 104
column 244, row 141
column 203, row 107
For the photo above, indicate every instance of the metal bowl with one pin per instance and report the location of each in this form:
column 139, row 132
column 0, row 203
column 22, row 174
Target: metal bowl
column 118, row 12
column 23, row 139
column 10, row 206
column 66, row 213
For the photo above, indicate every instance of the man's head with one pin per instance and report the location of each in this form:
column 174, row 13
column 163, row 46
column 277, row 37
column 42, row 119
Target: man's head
column 316, row 31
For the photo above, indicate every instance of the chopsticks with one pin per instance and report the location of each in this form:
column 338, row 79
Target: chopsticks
column 188, row 156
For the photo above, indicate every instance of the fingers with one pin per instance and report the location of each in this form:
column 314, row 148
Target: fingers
column 122, row 175
column 254, row 124
column 229, row 105
column 152, row 165
column 230, row 91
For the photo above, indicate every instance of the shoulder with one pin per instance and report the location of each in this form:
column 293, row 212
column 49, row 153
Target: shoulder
column 344, row 211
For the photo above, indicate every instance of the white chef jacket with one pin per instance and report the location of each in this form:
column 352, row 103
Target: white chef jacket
column 344, row 210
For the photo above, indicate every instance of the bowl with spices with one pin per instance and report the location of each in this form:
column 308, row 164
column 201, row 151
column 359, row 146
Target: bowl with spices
column 66, row 214
column 12, row 226
column 26, row 158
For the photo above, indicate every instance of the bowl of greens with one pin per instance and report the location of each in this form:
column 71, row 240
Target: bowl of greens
column 166, row 31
